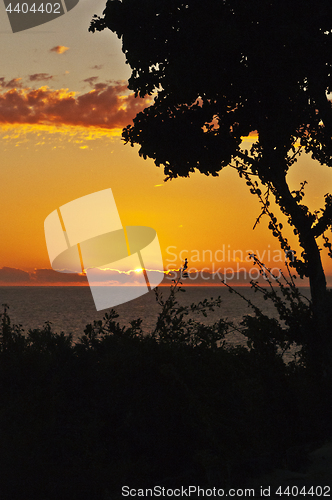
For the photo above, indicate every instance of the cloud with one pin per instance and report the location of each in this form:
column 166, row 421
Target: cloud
column 37, row 77
column 12, row 84
column 103, row 277
column 13, row 275
column 51, row 276
column 91, row 80
column 195, row 277
column 106, row 106
column 97, row 66
column 59, row 49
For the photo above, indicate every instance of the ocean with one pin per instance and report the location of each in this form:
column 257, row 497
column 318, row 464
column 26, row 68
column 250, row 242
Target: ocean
column 71, row 308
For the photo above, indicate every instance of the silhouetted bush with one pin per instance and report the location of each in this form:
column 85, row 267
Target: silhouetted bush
column 177, row 406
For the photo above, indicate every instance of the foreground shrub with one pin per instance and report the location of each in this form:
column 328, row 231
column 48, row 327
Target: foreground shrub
column 176, row 406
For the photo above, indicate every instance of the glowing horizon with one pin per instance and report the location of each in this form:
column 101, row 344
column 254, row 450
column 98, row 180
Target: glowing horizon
column 60, row 123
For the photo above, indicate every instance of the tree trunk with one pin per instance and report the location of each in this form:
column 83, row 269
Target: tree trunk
column 302, row 223
column 318, row 338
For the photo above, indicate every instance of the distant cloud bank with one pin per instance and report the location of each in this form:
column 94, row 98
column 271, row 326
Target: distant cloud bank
column 106, row 105
column 13, row 276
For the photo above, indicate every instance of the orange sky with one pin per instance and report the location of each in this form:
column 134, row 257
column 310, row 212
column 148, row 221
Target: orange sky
column 61, row 112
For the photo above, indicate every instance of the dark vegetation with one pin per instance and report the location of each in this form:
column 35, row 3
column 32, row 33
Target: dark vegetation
column 220, row 70
column 178, row 406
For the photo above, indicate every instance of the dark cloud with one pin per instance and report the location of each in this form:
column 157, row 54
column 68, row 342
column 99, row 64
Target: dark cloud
column 9, row 275
column 13, row 275
column 91, row 80
column 97, row 66
column 38, row 77
column 50, row 276
column 11, row 84
column 39, row 276
column 106, row 106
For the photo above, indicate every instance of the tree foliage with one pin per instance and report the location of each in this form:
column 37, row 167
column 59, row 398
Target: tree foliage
column 220, row 70
column 223, row 69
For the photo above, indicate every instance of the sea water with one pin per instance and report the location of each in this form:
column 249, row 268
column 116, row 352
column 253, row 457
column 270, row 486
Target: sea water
column 71, row 308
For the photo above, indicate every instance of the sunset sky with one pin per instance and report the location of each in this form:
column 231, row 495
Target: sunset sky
column 63, row 103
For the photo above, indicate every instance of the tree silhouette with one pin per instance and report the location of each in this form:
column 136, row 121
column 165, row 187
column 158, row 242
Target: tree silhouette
column 221, row 69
